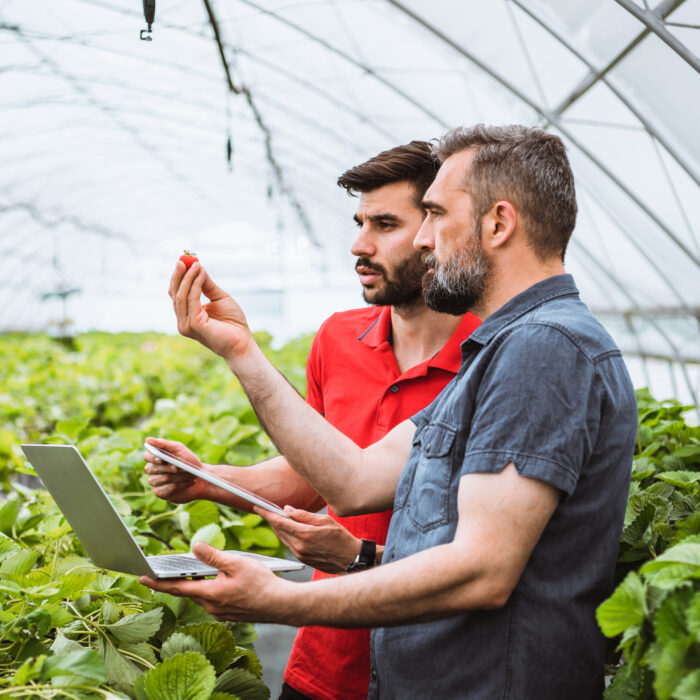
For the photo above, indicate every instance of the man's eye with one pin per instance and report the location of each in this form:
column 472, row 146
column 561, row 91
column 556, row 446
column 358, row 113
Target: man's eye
column 386, row 225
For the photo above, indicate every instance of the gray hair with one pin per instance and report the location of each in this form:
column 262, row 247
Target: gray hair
column 525, row 166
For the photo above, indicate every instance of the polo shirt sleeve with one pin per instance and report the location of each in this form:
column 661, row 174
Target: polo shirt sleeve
column 314, row 372
column 538, row 405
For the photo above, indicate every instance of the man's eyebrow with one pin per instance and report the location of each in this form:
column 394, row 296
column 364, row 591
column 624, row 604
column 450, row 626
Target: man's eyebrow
column 383, row 216
column 429, row 205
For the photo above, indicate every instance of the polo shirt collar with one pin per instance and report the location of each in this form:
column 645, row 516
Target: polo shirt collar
column 537, row 294
column 379, row 330
column 448, row 358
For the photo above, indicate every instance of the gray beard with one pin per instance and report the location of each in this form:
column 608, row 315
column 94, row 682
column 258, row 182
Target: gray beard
column 458, row 284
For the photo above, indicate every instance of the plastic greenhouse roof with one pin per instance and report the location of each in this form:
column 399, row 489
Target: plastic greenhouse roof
column 114, row 159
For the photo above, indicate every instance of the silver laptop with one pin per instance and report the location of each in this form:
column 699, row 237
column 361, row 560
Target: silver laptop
column 99, row 527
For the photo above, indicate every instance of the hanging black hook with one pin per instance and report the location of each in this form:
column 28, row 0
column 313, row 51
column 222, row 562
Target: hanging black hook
column 149, row 12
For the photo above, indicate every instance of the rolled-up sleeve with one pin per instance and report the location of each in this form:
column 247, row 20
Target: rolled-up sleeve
column 538, row 406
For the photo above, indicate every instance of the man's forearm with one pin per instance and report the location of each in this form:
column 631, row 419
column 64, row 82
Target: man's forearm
column 272, row 479
column 434, row 583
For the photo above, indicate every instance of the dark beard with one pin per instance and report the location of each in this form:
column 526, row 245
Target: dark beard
column 404, row 288
column 455, row 286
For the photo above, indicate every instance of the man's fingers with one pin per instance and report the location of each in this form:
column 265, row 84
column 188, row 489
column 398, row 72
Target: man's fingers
column 305, row 516
column 176, row 278
column 212, row 556
column 211, row 290
column 194, row 296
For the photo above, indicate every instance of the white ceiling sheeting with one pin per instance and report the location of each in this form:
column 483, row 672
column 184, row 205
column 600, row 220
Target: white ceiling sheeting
column 113, row 150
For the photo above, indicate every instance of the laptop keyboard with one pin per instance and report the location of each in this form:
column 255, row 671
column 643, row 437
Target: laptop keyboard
column 173, row 562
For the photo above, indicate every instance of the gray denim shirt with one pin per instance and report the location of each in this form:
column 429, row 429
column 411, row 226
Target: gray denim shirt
column 544, row 386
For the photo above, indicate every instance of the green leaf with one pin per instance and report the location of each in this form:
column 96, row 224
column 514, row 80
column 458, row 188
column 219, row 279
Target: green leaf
column 670, row 620
column 683, row 553
column 139, row 627
column 626, row 684
column 179, row 643
column 7, row 546
column 684, row 480
column 216, row 695
column 143, row 650
column 86, row 663
column 672, row 667
column 186, row 676
column 28, row 671
column 121, row 671
column 62, row 644
column 693, row 616
column 264, row 537
column 202, row 513
column 211, row 534
column 8, row 515
column 19, row 562
column 217, row 641
column 633, row 534
column 688, row 688
column 625, row 607
column 110, row 611
column 249, row 660
column 73, row 585
column 243, row 684
column 244, row 633
column 71, row 428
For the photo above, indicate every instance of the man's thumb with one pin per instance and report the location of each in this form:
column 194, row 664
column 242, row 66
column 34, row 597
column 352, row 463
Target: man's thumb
column 304, row 516
column 209, row 555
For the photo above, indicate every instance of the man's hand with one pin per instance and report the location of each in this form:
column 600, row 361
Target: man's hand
column 169, row 482
column 315, row 539
column 243, row 590
column 219, row 325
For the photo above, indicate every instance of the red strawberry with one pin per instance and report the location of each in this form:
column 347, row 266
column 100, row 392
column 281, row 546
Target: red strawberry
column 189, row 259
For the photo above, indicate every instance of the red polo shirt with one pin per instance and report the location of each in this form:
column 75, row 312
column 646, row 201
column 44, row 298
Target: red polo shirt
column 355, row 382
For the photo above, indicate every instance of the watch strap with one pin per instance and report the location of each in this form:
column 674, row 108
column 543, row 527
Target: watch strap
column 366, row 559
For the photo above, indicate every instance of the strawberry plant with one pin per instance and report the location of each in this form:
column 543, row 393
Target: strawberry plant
column 67, row 628
column 653, row 616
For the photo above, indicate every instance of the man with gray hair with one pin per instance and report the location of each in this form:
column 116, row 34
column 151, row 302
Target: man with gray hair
column 509, row 490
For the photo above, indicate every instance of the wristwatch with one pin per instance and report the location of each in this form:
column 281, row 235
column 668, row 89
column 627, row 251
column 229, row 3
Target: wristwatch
column 366, row 559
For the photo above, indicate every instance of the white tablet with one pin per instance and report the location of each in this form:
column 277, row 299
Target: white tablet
column 217, row 481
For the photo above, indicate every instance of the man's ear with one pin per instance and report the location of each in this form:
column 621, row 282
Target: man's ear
column 498, row 224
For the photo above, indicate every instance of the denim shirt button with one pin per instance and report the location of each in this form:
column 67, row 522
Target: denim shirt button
column 374, row 674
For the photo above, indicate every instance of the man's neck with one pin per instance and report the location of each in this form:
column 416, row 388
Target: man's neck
column 509, row 281
column 418, row 333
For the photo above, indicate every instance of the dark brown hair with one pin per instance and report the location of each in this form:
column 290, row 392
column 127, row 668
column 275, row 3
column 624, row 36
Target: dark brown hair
column 414, row 162
column 525, row 166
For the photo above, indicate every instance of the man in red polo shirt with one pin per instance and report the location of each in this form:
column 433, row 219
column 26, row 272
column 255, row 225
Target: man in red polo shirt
column 369, row 369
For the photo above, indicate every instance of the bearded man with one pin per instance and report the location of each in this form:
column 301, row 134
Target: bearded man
column 509, row 490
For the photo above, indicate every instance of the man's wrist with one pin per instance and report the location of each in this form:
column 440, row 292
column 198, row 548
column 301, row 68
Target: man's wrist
column 365, row 559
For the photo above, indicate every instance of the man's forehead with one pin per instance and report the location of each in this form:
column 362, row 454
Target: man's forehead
column 396, row 198
column 451, row 176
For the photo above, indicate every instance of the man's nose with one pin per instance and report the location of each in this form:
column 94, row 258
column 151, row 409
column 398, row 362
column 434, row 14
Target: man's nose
column 363, row 245
column 425, row 240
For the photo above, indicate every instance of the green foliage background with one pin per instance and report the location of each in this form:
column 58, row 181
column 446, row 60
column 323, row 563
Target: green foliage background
column 68, row 629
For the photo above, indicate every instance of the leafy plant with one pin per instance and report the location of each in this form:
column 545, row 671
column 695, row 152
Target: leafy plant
column 654, row 613
column 68, row 629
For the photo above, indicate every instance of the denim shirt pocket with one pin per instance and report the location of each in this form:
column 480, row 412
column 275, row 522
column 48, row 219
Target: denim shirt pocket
column 428, row 497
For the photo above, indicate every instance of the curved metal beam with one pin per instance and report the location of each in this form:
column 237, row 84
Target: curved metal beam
column 616, row 283
column 553, row 119
column 653, row 20
column 346, row 57
column 596, row 76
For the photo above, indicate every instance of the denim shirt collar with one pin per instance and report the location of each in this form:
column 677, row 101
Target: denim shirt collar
column 532, row 297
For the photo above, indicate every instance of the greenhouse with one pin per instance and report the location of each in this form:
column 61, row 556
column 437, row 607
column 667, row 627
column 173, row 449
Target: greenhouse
column 134, row 130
